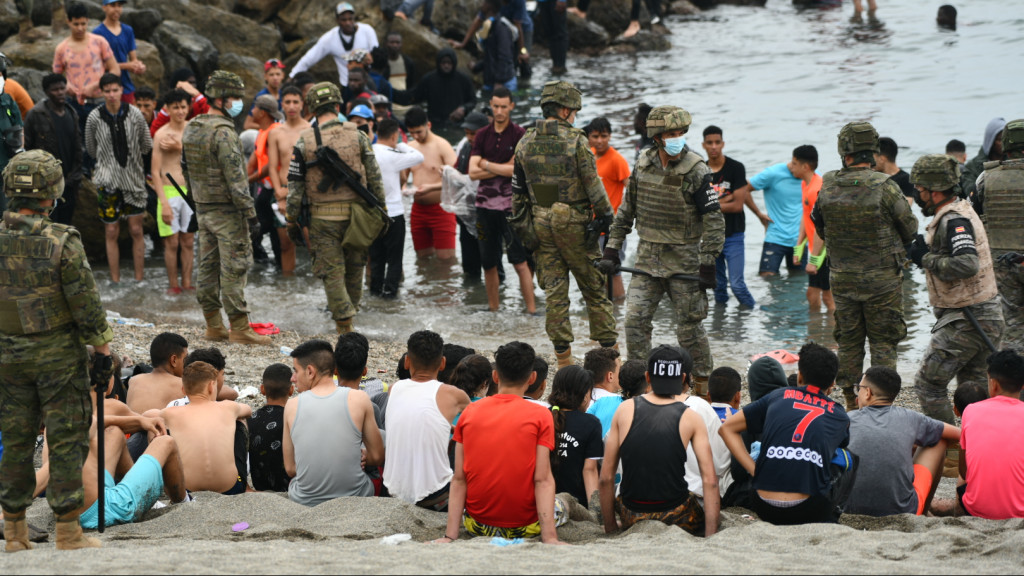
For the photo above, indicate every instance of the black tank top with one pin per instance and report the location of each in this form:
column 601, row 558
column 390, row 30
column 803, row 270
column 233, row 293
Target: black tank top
column 654, row 458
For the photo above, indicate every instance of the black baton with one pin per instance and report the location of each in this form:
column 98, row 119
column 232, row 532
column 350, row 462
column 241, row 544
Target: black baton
column 672, row 277
column 101, row 394
column 974, row 322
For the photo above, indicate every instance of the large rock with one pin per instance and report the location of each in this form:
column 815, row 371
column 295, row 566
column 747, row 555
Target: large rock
column 228, row 32
column 9, row 19
column 143, row 21
column 260, row 10
column 453, row 17
column 644, row 41
column 309, row 19
column 37, row 55
column 422, row 45
column 225, row 5
column 155, row 71
column 249, row 68
column 586, row 34
column 31, row 80
column 181, row 46
column 324, row 71
column 687, row 8
column 612, row 15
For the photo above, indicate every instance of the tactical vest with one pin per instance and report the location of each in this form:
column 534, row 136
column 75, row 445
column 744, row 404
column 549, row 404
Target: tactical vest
column 344, row 139
column 665, row 212
column 31, row 292
column 856, row 235
column 207, row 184
column 967, row 291
column 548, row 154
column 1003, row 204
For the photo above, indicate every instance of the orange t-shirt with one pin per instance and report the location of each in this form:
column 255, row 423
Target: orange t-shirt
column 613, row 170
column 263, row 154
column 20, row 95
column 810, row 192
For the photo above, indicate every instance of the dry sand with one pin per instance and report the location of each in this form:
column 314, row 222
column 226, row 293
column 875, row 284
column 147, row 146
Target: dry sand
column 344, row 535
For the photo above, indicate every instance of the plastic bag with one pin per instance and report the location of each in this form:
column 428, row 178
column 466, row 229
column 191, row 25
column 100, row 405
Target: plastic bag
column 458, row 196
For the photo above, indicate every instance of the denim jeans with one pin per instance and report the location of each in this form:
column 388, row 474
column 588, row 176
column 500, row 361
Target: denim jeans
column 410, row 6
column 731, row 260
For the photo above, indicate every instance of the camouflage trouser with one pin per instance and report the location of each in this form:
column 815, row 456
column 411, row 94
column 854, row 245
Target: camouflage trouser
column 561, row 231
column 1011, row 289
column 56, row 396
column 341, row 270
column 691, row 307
column 956, row 349
column 862, row 313
column 225, row 256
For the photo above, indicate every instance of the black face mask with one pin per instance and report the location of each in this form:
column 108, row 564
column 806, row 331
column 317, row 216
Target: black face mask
column 365, row 129
column 917, row 200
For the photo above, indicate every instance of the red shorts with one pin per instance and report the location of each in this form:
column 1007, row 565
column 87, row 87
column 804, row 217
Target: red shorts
column 922, row 485
column 432, row 227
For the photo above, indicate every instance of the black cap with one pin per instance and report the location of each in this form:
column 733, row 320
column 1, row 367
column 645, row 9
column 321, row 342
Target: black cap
column 475, row 121
column 666, row 367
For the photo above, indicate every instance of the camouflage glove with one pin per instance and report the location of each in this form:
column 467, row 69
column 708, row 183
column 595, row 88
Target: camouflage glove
column 609, row 262
column 706, row 273
column 1011, row 258
column 917, row 249
column 254, row 229
column 102, row 370
column 598, row 226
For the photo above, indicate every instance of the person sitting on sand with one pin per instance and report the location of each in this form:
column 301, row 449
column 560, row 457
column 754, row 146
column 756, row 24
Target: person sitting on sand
column 418, row 422
column 158, row 388
column 578, row 440
column 891, row 477
column 536, row 390
column 801, row 429
column 453, row 354
column 651, row 435
column 266, row 427
column 633, row 379
column 724, row 386
column 604, row 363
column 502, row 484
column 205, row 432
column 326, row 425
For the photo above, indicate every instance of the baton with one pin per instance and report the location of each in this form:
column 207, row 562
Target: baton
column 101, row 394
column 974, row 322
column 672, row 277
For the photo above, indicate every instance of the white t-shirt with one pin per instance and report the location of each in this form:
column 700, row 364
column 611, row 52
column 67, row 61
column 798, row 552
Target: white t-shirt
column 719, row 452
column 392, row 161
column 330, row 45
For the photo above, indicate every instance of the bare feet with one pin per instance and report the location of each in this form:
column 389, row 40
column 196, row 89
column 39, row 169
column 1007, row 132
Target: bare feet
column 401, row 15
column 574, row 10
column 632, row 29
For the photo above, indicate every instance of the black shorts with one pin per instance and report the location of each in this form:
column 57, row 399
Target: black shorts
column 820, row 279
column 814, row 510
column 494, row 234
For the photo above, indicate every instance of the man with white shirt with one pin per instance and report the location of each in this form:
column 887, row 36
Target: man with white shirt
column 338, row 42
column 393, row 157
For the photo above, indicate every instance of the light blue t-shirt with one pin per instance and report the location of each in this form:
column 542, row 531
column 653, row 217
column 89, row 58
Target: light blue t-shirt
column 604, row 408
column 783, row 197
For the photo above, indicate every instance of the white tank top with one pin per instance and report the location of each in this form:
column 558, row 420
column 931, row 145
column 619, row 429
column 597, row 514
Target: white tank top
column 416, row 441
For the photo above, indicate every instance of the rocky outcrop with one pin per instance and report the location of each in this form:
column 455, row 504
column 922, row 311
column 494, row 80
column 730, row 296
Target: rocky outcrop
column 31, row 80
column 250, row 70
column 586, row 35
column 155, row 71
column 181, row 46
column 612, row 15
column 226, row 31
column 143, row 21
column 644, row 41
column 37, row 55
column 421, row 44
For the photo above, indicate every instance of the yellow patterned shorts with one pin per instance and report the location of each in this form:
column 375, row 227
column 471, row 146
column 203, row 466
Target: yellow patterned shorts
column 477, row 529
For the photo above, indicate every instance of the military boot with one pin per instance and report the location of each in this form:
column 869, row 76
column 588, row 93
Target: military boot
column 242, row 333
column 951, row 466
column 215, row 328
column 564, row 358
column 70, row 537
column 343, row 326
column 851, row 399
column 700, row 388
column 27, row 33
column 16, row 533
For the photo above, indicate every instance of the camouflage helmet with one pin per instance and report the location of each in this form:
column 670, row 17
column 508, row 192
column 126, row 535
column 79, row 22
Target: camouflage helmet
column 1013, row 136
column 666, row 118
column 322, row 94
column 936, row 172
column 562, row 93
column 34, row 174
column 224, row 84
column 857, row 137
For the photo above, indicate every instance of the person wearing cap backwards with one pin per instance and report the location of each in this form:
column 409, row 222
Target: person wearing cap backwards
column 273, row 76
column 958, row 266
column 682, row 231
column 555, row 177
column 268, row 117
column 50, row 310
column 1001, row 195
column 796, row 479
column 651, row 435
column 865, row 222
column 339, row 265
column 121, row 38
column 338, row 42
column 214, row 167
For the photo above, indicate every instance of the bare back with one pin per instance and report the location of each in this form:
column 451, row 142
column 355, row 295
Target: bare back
column 167, row 161
column 205, row 434
column 437, row 153
column 153, row 391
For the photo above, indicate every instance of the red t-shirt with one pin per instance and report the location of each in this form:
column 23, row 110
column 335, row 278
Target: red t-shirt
column 613, row 170
column 810, row 197
column 499, row 437
column 995, row 471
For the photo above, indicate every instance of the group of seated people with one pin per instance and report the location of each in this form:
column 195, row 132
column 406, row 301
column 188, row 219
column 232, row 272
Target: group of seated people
column 484, row 442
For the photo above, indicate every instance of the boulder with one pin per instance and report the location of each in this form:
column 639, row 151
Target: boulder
column 37, row 55
column 225, row 5
column 260, row 10
column 309, row 19
column 613, row 15
column 453, row 17
column 422, row 45
column 644, row 41
column 249, row 68
column 181, row 46
column 94, row 8
column 228, row 32
column 143, row 21
column 9, row 19
column 687, row 8
column 150, row 56
column 31, row 80
column 586, row 34
column 324, row 71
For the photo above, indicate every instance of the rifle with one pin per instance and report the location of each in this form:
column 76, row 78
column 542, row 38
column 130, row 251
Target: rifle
column 193, row 223
column 339, row 173
column 974, row 322
column 642, row 273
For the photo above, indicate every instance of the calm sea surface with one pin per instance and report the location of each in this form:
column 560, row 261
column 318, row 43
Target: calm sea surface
column 773, row 78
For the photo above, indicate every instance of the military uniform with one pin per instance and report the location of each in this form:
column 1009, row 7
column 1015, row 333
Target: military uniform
column 49, row 310
column 865, row 221
column 960, row 276
column 556, row 173
column 680, row 232
column 340, row 267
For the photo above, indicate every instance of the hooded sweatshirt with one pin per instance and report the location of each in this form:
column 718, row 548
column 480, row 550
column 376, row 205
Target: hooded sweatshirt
column 764, row 376
column 444, row 92
column 975, row 166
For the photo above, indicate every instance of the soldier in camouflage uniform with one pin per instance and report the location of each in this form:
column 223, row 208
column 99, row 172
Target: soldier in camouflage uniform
column 865, row 222
column 214, row 166
column 556, row 176
column 1001, row 192
column 681, row 230
column 340, row 267
column 958, row 265
column 49, row 310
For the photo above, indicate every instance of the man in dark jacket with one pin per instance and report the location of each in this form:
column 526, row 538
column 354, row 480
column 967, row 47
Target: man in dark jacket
column 449, row 94
column 52, row 126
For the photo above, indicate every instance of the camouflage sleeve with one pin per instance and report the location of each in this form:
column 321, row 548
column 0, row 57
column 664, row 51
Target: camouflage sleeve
column 587, row 167
column 902, row 218
column 81, row 293
column 520, row 193
column 623, row 223
column 296, row 182
column 374, row 181
column 228, row 152
column 713, row 238
column 957, row 254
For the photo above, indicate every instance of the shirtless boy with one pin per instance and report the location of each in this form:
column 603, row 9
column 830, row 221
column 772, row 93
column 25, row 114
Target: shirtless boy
column 433, row 229
column 173, row 213
column 155, row 390
column 280, row 144
column 205, row 433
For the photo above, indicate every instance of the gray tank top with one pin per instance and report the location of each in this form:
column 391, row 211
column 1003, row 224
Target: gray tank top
column 327, row 450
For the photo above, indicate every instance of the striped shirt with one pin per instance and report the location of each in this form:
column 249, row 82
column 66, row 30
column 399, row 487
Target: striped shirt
column 130, row 179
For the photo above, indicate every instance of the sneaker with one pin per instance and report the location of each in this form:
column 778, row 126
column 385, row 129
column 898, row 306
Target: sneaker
column 174, row 291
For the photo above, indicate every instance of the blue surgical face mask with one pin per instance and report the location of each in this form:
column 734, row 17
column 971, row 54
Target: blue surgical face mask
column 673, row 146
column 235, row 108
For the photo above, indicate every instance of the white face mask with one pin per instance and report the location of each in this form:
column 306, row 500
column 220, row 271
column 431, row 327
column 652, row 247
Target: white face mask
column 2, row 82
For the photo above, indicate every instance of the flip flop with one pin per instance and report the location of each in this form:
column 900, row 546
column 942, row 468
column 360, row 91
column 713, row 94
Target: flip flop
column 265, row 328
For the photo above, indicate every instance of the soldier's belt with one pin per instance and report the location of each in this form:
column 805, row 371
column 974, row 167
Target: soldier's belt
column 334, row 211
